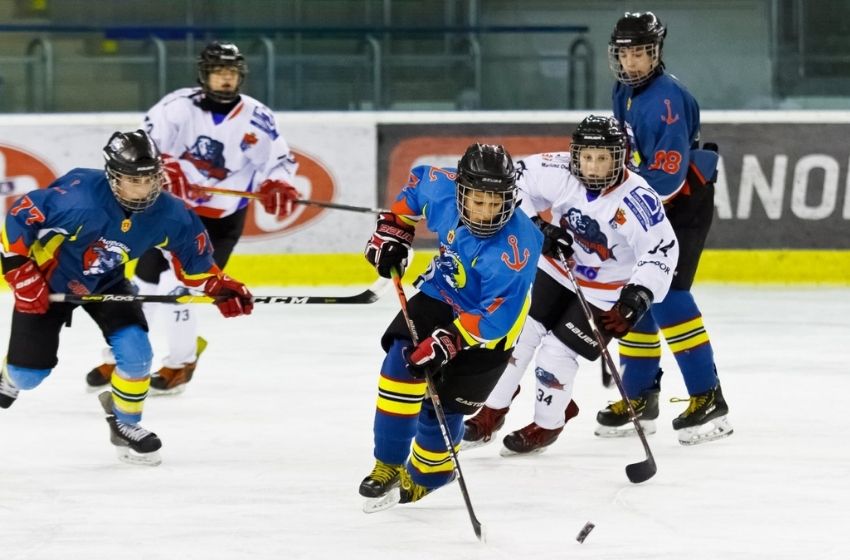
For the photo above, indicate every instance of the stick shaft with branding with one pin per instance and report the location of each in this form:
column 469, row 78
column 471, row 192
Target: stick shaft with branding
column 255, row 196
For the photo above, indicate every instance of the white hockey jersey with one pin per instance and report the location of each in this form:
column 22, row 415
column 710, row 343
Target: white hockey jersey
column 236, row 152
column 622, row 237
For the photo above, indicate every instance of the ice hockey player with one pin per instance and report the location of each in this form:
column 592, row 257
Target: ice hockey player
column 75, row 237
column 471, row 305
column 663, row 122
column 624, row 252
column 213, row 136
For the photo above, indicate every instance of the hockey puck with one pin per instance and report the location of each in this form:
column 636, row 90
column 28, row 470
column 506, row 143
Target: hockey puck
column 588, row 527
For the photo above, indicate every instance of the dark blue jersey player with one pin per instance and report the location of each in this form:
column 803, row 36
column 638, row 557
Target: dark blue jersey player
column 662, row 121
column 75, row 237
column 470, row 309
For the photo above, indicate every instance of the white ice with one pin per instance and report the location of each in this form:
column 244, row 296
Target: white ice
column 264, row 452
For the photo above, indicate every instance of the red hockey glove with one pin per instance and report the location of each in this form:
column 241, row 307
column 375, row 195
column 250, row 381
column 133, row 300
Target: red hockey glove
column 237, row 299
column 554, row 237
column 390, row 244
column 634, row 301
column 278, row 197
column 435, row 351
column 29, row 287
column 176, row 182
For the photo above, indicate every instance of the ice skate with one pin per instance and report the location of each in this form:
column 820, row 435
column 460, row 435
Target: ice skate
column 381, row 487
column 99, row 377
column 480, row 429
column 134, row 444
column 614, row 421
column 704, row 420
column 172, row 381
column 8, row 392
column 533, row 439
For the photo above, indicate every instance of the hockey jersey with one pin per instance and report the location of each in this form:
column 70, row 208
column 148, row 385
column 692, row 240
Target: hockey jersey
column 620, row 237
column 237, row 151
column 81, row 238
column 662, row 121
column 486, row 280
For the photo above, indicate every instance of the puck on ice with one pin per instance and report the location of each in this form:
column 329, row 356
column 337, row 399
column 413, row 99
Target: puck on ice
column 588, row 527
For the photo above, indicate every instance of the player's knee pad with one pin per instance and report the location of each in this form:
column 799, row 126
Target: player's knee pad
column 556, row 365
column 677, row 306
column 132, row 350
column 532, row 333
column 26, row 378
column 395, row 365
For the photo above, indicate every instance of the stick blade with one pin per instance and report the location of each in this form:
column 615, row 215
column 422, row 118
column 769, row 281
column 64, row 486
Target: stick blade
column 641, row 472
column 480, row 531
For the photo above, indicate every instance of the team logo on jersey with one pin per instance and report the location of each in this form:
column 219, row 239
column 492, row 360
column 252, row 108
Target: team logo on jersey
column 548, row 379
column 264, row 120
column 207, row 155
column 646, row 206
column 104, row 255
column 517, row 263
column 669, row 118
column 618, row 219
column 451, row 267
column 248, row 140
column 126, row 225
column 587, row 234
column 450, row 236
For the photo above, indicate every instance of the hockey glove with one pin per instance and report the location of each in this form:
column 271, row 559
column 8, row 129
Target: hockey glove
column 554, row 237
column 277, row 197
column 176, row 182
column 236, row 299
column 29, row 287
column 435, row 351
column 390, row 245
column 633, row 303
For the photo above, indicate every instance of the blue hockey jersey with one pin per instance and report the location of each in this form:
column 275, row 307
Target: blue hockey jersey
column 662, row 122
column 486, row 280
column 81, row 238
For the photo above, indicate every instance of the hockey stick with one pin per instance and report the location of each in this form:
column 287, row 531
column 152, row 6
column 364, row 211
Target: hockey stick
column 607, row 380
column 369, row 295
column 438, row 410
column 255, row 196
column 637, row 472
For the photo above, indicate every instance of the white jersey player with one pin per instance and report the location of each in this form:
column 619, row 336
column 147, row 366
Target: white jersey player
column 623, row 254
column 210, row 136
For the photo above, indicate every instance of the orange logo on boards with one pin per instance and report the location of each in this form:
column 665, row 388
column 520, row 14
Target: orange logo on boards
column 516, row 264
column 21, row 172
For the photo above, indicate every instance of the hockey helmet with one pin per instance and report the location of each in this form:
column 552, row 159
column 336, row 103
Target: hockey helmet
column 594, row 168
column 486, row 188
column 134, row 169
column 641, row 33
column 220, row 55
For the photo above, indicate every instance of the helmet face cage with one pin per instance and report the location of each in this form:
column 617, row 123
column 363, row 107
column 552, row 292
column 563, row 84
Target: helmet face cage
column 601, row 133
column 641, row 32
column 221, row 55
column 133, row 161
column 485, row 175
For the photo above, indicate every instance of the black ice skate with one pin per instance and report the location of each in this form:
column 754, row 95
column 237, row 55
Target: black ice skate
column 99, row 377
column 614, row 420
column 704, row 419
column 8, row 392
column 172, row 381
column 381, row 487
column 534, row 439
column 134, row 444
column 480, row 429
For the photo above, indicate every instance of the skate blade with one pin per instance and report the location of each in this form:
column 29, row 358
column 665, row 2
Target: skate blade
column 388, row 500
column 712, row 430
column 505, row 452
column 153, row 392
column 467, row 445
column 127, row 455
column 626, row 430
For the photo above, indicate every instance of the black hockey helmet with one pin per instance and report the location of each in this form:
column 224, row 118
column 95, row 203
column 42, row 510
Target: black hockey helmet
column 599, row 132
column 220, row 55
column 489, row 169
column 631, row 31
column 133, row 162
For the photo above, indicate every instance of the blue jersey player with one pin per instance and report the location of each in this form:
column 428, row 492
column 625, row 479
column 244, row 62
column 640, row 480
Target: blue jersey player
column 472, row 300
column 662, row 121
column 75, row 237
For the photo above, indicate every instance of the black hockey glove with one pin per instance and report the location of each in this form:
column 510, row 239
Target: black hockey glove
column 435, row 351
column 389, row 245
column 554, row 237
column 633, row 303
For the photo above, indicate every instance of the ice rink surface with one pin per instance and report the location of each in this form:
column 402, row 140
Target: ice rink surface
column 263, row 453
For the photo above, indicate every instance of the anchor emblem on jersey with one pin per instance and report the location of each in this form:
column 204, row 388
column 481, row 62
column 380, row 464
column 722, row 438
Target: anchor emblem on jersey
column 518, row 263
column 669, row 118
